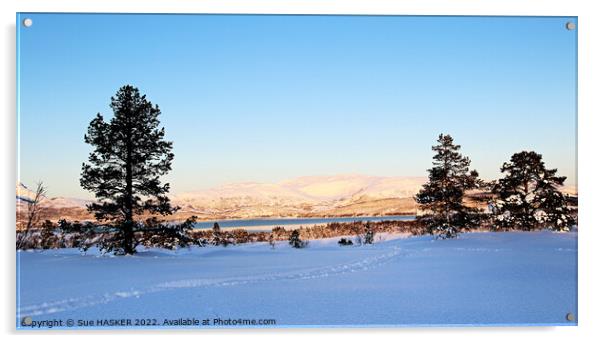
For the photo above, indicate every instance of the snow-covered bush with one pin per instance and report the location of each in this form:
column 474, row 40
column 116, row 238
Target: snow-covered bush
column 109, row 239
column 295, row 241
column 344, row 242
column 167, row 236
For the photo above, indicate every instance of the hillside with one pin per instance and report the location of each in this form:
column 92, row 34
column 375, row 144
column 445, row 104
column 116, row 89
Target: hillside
column 308, row 196
column 339, row 195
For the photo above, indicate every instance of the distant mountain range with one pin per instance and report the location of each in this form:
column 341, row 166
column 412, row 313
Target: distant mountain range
column 308, row 196
column 25, row 196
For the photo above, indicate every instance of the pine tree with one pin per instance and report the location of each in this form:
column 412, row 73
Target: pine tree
column 369, row 236
column 527, row 197
column 123, row 171
column 441, row 198
column 216, row 234
column 295, row 241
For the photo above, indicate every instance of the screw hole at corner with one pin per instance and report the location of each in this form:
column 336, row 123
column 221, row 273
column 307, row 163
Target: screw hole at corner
column 570, row 26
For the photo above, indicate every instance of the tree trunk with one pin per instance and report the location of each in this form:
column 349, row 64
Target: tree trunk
column 128, row 240
column 128, row 227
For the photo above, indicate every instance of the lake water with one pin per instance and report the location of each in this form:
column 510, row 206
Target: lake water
column 267, row 224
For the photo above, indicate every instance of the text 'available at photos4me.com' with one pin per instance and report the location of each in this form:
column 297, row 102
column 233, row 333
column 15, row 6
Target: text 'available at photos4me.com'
column 29, row 322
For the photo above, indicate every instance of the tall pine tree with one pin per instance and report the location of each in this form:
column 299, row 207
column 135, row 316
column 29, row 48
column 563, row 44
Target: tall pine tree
column 527, row 197
column 441, row 198
column 129, row 156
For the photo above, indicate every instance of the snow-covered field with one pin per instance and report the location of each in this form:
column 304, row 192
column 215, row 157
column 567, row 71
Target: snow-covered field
column 481, row 278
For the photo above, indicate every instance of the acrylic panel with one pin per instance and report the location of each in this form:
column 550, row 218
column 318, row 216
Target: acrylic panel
column 228, row 171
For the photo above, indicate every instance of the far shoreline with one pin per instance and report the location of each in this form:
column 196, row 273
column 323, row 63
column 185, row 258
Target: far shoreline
column 268, row 223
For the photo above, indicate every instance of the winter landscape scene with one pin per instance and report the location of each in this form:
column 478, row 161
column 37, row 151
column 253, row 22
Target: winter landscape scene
column 221, row 171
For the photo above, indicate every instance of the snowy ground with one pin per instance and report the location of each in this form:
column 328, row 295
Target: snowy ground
column 481, row 278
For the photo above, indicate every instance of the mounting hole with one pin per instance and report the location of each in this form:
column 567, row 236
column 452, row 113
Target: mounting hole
column 27, row 22
column 570, row 25
column 570, row 317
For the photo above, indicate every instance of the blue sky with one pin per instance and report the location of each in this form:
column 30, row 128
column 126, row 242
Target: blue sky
column 266, row 98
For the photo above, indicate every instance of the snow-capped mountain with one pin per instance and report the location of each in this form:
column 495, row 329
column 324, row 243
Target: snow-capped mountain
column 25, row 195
column 342, row 187
column 309, row 195
column 304, row 196
column 330, row 195
column 314, row 189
